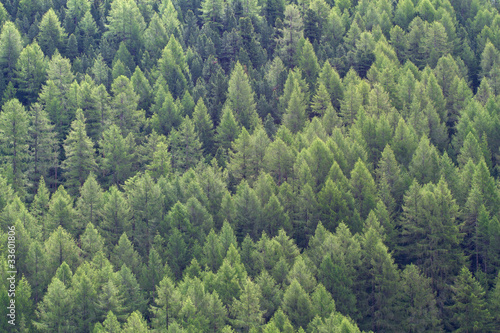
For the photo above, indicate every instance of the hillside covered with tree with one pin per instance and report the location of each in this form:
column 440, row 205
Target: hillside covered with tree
column 257, row 166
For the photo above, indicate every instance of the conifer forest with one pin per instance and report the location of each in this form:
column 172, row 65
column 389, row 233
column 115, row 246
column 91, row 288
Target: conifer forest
column 263, row 166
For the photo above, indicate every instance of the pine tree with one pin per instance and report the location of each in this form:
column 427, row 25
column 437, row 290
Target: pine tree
column 14, row 129
column 240, row 99
column 80, row 153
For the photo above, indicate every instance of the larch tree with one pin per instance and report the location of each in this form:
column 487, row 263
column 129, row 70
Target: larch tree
column 297, row 305
column 418, row 302
column 76, row 9
column 173, row 67
column 167, row 303
column 469, row 304
column 240, row 99
column 291, row 33
column 54, row 94
column 246, row 309
column 350, row 104
column 228, row 130
column 90, row 203
column 115, row 215
column 10, row 49
column 377, row 284
column 52, row 311
column 43, row 147
column 241, row 155
column 124, row 106
column 145, row 200
column 295, row 117
column 117, row 155
column 126, row 24
column 51, row 36
column 204, row 127
column 80, row 154
column 185, row 146
column 363, row 189
column 14, row 129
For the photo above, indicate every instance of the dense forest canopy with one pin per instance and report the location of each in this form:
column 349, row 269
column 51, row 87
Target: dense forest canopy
column 250, row 165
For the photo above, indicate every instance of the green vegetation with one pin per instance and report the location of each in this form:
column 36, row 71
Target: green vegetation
column 253, row 166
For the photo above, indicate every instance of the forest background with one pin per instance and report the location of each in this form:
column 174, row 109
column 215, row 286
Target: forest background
column 250, row 165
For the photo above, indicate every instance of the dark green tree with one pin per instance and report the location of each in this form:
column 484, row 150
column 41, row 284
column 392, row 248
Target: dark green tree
column 469, row 304
column 51, row 35
column 417, row 302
